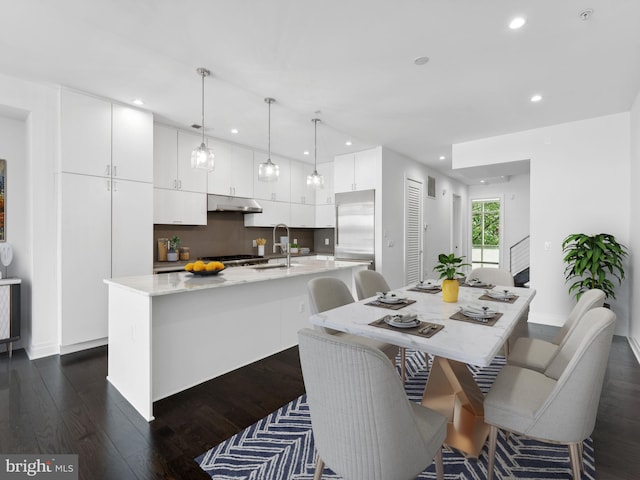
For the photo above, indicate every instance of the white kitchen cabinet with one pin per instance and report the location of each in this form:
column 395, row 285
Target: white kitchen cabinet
column 325, row 216
column 85, row 128
column 233, row 174
column 101, row 139
column 326, row 195
column 357, row 171
column 272, row 214
column 189, row 179
column 279, row 190
column 303, row 215
column 165, row 156
column 131, row 144
column 300, row 193
column 176, row 207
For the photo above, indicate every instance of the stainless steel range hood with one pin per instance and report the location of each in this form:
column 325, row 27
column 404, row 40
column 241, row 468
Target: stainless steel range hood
column 221, row 203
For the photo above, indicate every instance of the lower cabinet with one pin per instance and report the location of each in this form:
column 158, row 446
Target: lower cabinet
column 175, row 207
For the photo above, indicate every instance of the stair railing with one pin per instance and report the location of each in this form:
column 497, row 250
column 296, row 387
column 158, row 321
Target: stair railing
column 519, row 256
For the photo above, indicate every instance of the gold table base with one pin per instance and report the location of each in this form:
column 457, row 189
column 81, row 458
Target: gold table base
column 452, row 391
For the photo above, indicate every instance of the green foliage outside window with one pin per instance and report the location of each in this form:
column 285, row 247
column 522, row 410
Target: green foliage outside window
column 485, row 213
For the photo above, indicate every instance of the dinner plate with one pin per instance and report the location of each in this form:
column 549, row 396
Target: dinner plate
column 497, row 294
column 391, row 298
column 427, row 286
column 477, row 283
column 478, row 313
column 395, row 323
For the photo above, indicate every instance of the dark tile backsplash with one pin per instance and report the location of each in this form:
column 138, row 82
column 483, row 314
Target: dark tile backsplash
column 225, row 234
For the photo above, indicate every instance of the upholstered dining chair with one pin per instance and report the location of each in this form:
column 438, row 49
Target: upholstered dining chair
column 368, row 283
column 560, row 404
column 495, row 276
column 364, row 427
column 326, row 293
column 535, row 353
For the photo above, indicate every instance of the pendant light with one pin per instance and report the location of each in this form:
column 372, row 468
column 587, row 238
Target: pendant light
column 269, row 171
column 315, row 180
column 202, row 157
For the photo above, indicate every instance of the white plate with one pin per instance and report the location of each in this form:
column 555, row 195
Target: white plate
column 498, row 295
column 477, row 283
column 427, row 286
column 392, row 298
column 391, row 321
column 478, row 314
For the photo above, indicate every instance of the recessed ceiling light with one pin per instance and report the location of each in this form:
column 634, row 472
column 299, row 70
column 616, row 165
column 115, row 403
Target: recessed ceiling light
column 442, row 157
column 483, row 181
column 536, row 98
column 306, row 152
column 348, row 143
column 138, row 102
column 421, row 60
column 517, row 23
column 234, row 131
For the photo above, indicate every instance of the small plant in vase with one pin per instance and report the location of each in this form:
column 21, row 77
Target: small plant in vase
column 261, row 242
column 174, row 243
column 448, row 267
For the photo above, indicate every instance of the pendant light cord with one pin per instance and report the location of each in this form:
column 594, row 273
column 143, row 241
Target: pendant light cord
column 269, row 134
column 203, row 75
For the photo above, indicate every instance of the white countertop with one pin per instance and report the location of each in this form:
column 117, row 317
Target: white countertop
column 10, row 281
column 179, row 282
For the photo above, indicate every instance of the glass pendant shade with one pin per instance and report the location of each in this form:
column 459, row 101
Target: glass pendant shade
column 315, row 180
column 203, row 157
column 268, row 171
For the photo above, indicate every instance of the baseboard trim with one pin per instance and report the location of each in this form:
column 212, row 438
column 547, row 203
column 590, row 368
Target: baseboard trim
column 635, row 347
column 76, row 347
column 40, row 351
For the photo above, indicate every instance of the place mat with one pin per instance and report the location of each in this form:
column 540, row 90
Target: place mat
column 491, row 299
column 417, row 330
column 463, row 318
column 424, row 290
column 488, row 285
column 391, row 306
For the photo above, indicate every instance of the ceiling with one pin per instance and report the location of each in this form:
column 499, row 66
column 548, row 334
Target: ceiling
column 350, row 60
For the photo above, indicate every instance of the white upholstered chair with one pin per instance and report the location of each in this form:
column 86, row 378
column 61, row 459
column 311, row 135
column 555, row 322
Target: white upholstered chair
column 364, row 427
column 560, row 404
column 535, row 353
column 368, row 283
column 494, row 276
column 326, row 293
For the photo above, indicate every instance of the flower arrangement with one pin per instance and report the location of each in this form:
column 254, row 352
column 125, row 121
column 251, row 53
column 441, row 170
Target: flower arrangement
column 261, row 241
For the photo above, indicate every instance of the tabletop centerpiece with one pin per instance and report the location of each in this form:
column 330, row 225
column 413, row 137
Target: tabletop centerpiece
column 448, row 267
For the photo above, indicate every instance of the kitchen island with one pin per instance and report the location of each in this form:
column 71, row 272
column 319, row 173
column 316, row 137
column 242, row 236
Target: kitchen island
column 172, row 331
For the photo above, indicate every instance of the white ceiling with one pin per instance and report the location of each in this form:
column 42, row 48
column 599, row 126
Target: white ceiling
column 352, row 60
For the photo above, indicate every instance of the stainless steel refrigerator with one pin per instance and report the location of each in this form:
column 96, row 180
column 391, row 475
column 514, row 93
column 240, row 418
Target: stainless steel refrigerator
column 355, row 226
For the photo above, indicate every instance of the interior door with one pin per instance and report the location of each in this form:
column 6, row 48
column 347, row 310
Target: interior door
column 413, row 231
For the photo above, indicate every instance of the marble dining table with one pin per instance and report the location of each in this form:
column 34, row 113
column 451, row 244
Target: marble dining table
column 450, row 389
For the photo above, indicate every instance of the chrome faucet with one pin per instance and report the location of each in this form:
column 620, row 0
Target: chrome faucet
column 283, row 248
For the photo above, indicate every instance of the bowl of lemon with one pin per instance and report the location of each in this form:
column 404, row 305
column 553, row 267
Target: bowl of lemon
column 204, row 268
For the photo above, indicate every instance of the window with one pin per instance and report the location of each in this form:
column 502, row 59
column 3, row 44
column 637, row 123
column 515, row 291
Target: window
column 485, row 228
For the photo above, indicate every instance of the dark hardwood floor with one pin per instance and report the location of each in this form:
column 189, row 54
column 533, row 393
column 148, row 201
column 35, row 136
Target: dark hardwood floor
column 63, row 404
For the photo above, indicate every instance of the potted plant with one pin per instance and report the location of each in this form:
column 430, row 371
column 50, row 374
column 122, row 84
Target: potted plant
column 592, row 262
column 294, row 248
column 174, row 243
column 449, row 268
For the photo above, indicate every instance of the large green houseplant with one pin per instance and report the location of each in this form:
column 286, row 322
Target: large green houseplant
column 448, row 267
column 593, row 261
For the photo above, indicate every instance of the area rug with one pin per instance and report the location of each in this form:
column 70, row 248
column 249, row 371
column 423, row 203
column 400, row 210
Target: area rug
column 280, row 446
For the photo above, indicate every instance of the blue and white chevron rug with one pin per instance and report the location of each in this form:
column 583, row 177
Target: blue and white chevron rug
column 280, row 446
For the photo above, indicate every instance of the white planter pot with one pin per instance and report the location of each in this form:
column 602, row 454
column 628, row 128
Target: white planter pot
column 172, row 256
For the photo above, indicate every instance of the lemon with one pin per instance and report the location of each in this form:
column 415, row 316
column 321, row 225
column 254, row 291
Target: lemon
column 211, row 266
column 189, row 267
column 199, row 266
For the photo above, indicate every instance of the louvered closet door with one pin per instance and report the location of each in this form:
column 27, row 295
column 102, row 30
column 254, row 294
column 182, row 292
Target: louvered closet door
column 413, row 230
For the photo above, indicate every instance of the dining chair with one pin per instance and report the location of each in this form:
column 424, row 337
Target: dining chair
column 560, row 404
column 535, row 353
column 495, row 276
column 363, row 424
column 327, row 293
column 368, row 283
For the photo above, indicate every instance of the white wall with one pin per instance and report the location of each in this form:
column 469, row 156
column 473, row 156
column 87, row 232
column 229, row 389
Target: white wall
column 36, row 222
column 396, row 169
column 634, row 220
column 514, row 195
column 579, row 174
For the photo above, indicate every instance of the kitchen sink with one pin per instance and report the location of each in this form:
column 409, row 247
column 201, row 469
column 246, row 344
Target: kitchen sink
column 273, row 265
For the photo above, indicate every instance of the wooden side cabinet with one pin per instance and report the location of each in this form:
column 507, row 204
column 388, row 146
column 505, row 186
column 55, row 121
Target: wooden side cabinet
column 10, row 312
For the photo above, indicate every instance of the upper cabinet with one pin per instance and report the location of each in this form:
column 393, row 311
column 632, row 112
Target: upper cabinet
column 279, row 190
column 357, row 171
column 325, row 195
column 300, row 193
column 233, row 174
column 100, row 139
column 172, row 160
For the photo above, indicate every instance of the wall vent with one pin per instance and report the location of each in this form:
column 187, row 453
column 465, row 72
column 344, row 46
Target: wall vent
column 431, row 187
